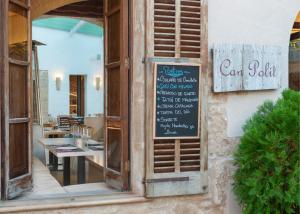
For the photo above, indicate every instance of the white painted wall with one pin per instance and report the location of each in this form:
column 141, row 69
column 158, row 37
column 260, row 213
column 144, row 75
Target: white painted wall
column 64, row 55
column 260, row 22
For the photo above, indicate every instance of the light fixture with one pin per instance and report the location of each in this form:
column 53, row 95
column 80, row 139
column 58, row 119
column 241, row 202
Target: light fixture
column 98, row 83
column 58, row 83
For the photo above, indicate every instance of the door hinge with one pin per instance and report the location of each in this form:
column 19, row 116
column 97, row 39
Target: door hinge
column 127, row 62
column 127, row 166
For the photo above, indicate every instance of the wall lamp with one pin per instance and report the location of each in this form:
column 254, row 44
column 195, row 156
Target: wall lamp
column 58, row 83
column 98, row 80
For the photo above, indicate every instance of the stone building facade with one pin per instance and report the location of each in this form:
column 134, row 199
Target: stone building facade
column 259, row 22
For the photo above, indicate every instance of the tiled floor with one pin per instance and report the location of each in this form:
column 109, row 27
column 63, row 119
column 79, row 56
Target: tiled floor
column 44, row 184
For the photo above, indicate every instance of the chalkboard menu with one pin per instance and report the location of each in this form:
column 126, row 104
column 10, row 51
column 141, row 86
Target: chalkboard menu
column 176, row 102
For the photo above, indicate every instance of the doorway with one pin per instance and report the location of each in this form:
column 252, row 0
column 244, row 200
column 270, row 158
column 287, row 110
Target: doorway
column 16, row 144
column 77, row 95
column 294, row 56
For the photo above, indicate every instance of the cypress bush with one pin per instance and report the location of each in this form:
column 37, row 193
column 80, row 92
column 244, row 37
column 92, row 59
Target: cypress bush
column 267, row 179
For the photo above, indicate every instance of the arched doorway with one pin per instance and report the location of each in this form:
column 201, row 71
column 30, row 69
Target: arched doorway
column 294, row 56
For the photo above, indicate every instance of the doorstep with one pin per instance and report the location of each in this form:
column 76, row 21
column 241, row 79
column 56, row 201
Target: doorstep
column 14, row 206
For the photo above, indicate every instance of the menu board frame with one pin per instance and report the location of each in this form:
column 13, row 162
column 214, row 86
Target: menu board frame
column 155, row 97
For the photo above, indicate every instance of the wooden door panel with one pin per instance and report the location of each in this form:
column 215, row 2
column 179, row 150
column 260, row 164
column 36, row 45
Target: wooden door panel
column 18, row 33
column 18, row 150
column 113, row 4
column 16, row 125
column 25, row 2
column 113, row 37
column 113, row 91
column 18, row 96
column 114, row 149
column 116, row 93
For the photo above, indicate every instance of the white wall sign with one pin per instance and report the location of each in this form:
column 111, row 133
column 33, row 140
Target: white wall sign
column 246, row 67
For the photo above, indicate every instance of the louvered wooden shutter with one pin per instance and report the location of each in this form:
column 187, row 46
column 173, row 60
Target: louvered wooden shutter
column 190, row 25
column 177, row 25
column 166, row 158
column 176, row 167
column 176, row 33
column 164, row 28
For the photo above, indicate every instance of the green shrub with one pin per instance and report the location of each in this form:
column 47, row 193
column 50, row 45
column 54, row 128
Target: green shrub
column 267, row 159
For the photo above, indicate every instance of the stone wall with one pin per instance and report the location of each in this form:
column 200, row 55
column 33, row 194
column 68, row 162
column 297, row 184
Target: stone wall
column 220, row 150
column 177, row 205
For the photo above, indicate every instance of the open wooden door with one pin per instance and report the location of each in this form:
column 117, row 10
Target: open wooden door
column 116, row 93
column 16, row 125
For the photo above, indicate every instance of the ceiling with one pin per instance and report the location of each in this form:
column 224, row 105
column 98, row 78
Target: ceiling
column 89, row 9
column 86, row 9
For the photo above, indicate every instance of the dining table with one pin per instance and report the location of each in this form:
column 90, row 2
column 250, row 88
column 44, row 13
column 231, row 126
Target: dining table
column 74, row 147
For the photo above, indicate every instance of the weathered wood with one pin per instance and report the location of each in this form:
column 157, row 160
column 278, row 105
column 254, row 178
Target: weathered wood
column 177, row 155
column 250, row 53
column 177, row 27
column 234, row 55
column 159, row 180
column 3, row 69
column 190, row 29
column 204, row 89
column 149, row 29
column 162, row 184
column 16, row 143
column 116, row 16
column 246, row 67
